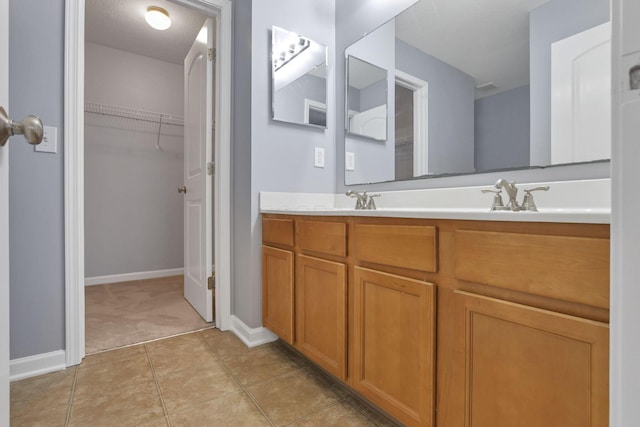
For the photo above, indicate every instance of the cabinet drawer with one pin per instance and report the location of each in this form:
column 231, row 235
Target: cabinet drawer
column 277, row 231
column 568, row 268
column 406, row 246
column 324, row 237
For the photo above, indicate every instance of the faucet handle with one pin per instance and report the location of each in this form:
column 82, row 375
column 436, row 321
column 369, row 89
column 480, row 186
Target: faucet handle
column 371, row 205
column 527, row 203
column 498, row 204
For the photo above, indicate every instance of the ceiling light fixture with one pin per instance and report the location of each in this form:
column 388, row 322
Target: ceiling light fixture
column 157, row 18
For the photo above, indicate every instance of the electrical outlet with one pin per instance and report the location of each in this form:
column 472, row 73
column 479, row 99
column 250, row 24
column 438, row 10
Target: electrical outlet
column 319, row 157
column 350, row 161
column 49, row 142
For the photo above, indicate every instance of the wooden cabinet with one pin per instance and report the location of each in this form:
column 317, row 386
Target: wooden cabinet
column 321, row 313
column 277, row 292
column 277, row 277
column 393, row 350
column 484, row 323
column 528, row 367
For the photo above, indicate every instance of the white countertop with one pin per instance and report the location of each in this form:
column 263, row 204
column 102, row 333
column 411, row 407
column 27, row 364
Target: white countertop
column 586, row 201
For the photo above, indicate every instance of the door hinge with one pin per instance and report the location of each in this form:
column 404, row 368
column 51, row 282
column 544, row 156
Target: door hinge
column 212, row 54
column 211, row 282
column 211, row 168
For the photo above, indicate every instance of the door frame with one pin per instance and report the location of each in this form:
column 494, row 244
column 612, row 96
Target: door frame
column 74, row 169
column 420, row 90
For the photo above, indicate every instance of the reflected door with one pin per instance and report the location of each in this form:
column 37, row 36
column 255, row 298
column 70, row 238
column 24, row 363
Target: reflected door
column 371, row 123
column 581, row 97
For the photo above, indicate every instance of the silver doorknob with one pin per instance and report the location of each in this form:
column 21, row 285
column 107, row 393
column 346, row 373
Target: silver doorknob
column 31, row 127
column 182, row 190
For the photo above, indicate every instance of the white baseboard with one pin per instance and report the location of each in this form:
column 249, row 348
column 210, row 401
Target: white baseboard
column 32, row 366
column 252, row 337
column 127, row 277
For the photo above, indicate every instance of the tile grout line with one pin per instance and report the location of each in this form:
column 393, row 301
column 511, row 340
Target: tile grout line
column 301, row 365
column 314, row 413
column 365, row 409
column 72, row 395
column 152, row 340
column 237, row 380
column 155, row 381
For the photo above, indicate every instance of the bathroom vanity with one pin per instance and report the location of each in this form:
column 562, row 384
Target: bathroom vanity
column 440, row 319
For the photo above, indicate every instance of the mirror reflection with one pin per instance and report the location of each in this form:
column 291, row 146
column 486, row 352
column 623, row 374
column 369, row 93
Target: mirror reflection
column 482, row 85
column 366, row 99
column 299, row 79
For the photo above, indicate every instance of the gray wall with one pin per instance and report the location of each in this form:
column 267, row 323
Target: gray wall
column 36, row 179
column 133, row 213
column 282, row 154
column 270, row 155
column 451, row 106
column 553, row 21
column 373, row 95
column 502, row 130
column 354, row 19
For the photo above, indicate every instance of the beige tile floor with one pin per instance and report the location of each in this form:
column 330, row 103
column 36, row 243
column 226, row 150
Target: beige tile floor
column 119, row 314
column 206, row 378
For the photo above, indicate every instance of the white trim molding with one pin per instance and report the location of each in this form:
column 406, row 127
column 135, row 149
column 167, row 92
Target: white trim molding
column 74, row 180
column 420, row 90
column 127, row 277
column 39, row 364
column 74, row 169
column 222, row 193
column 251, row 337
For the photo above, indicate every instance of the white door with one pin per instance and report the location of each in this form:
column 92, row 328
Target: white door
column 371, row 123
column 581, row 96
column 4, row 221
column 198, row 151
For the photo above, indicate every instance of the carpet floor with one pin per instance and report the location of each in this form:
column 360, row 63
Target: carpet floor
column 120, row 314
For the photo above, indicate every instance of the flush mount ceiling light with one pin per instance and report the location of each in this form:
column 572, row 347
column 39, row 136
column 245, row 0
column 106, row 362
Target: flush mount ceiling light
column 157, row 18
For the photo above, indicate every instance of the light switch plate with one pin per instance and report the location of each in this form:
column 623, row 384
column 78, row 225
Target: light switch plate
column 318, row 160
column 49, row 142
column 350, row 161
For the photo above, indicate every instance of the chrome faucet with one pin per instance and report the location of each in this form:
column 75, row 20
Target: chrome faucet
column 361, row 201
column 511, row 190
column 364, row 201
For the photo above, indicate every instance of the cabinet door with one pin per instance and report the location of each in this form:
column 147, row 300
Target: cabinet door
column 277, row 292
column 394, row 338
column 531, row 367
column 321, row 313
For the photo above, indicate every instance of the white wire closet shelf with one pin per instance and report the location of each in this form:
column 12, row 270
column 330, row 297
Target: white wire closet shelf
column 134, row 114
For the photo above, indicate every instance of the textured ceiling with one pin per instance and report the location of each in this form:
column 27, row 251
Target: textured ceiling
column 120, row 24
column 487, row 39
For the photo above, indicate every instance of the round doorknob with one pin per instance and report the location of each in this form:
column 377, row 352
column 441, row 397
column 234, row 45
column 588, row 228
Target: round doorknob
column 182, row 189
column 31, row 127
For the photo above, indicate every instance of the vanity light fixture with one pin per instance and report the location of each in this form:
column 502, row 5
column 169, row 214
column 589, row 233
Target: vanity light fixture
column 157, row 18
column 283, row 54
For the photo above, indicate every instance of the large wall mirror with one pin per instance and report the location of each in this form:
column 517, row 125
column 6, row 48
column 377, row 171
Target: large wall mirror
column 299, row 79
column 485, row 85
